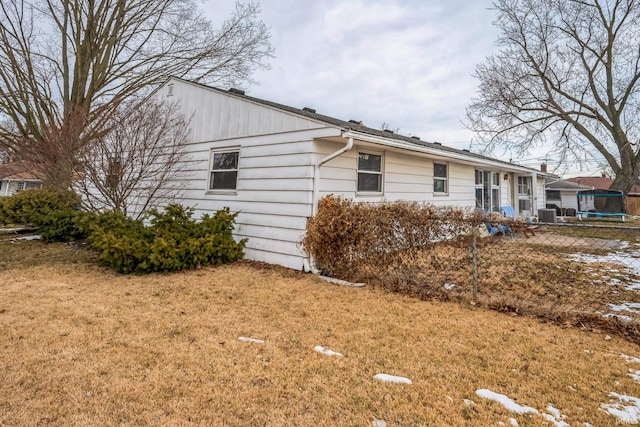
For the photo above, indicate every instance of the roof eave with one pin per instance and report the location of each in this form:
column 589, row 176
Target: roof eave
column 439, row 152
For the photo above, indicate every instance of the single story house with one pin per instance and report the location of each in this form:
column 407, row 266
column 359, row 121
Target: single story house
column 602, row 182
column 17, row 176
column 562, row 195
column 272, row 163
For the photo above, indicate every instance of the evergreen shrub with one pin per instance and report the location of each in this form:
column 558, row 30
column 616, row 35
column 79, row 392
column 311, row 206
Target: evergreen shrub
column 173, row 240
column 63, row 226
column 30, row 207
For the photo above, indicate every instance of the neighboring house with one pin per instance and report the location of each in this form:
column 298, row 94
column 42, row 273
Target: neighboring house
column 17, row 176
column 564, row 195
column 599, row 182
column 272, row 163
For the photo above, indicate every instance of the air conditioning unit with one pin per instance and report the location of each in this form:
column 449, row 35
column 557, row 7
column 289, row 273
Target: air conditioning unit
column 547, row 215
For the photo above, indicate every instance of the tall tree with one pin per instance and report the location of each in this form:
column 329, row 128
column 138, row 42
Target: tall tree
column 567, row 71
column 67, row 65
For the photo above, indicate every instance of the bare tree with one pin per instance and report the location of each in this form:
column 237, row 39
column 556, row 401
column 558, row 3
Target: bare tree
column 389, row 127
column 139, row 163
column 66, row 65
column 567, row 71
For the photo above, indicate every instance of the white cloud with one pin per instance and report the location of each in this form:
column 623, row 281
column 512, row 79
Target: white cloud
column 407, row 63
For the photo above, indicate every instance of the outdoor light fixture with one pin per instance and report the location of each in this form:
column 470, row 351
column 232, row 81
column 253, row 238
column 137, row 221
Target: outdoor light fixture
column 506, row 177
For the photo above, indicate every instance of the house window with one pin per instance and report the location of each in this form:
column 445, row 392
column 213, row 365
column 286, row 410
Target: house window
column 553, row 195
column 440, row 178
column 524, row 205
column 21, row 186
column 524, row 185
column 525, row 195
column 32, row 185
column 224, row 170
column 488, row 191
column 170, row 89
column 369, row 173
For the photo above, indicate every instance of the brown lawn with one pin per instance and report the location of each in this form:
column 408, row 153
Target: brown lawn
column 80, row 345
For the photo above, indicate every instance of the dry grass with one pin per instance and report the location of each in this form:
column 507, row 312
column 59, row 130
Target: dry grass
column 83, row 346
column 539, row 276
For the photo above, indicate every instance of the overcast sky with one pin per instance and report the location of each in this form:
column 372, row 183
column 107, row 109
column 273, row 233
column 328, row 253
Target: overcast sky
column 408, row 63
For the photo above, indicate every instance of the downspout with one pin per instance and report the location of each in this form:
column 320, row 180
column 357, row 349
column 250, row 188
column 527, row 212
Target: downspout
column 316, row 173
column 316, row 191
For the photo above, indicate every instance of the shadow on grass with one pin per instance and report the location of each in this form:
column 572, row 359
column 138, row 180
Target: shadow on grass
column 22, row 254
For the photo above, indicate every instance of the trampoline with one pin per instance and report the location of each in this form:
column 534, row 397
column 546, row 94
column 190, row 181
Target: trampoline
column 601, row 204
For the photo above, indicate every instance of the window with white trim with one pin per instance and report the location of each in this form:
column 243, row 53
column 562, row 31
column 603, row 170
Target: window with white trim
column 524, row 185
column 488, row 191
column 224, row 170
column 440, row 178
column 369, row 173
column 21, row 185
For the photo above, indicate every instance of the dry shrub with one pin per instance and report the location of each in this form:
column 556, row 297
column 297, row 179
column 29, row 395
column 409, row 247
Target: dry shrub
column 357, row 241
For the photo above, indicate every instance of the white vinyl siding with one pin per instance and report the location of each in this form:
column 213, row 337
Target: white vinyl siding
column 274, row 169
column 406, row 177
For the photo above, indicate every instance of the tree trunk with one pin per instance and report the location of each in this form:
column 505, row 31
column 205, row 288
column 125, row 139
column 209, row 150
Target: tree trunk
column 624, row 182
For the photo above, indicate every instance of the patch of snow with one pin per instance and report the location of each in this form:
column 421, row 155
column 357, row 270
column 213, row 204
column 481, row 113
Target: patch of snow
column 627, row 414
column 506, row 402
column 326, row 351
column 35, row 237
column 628, row 262
column 555, row 417
column 630, row 358
column 513, row 422
column 587, row 425
column 635, row 375
column 621, row 317
column 379, row 423
column 253, row 340
column 449, row 286
column 392, row 379
column 469, row 402
column 633, row 307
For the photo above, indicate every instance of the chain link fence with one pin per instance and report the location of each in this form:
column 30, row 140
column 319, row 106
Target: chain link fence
column 574, row 274
column 580, row 274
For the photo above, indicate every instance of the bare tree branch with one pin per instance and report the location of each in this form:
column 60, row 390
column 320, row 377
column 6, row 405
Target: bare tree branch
column 568, row 70
column 67, row 65
column 139, row 163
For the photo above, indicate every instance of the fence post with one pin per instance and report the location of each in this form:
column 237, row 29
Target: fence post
column 474, row 260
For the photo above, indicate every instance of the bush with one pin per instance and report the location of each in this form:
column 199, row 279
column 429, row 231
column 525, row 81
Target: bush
column 62, row 226
column 31, row 207
column 173, row 241
column 356, row 241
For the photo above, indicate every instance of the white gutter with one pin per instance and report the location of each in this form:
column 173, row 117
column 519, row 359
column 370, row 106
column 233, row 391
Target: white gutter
column 316, row 172
column 433, row 151
column 309, row 263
